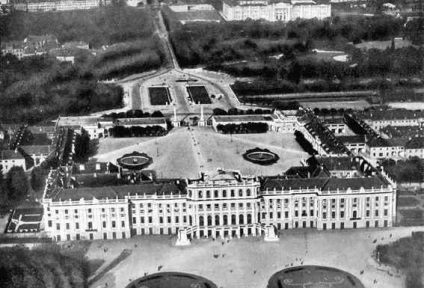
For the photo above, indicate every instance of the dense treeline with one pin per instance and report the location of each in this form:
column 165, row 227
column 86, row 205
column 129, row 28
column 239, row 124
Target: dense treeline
column 136, row 131
column 97, row 27
column 214, row 43
column 45, row 267
column 40, row 87
column 406, row 254
column 410, row 170
column 243, row 128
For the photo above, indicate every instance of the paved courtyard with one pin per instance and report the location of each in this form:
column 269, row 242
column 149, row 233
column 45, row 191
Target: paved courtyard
column 186, row 153
column 250, row 262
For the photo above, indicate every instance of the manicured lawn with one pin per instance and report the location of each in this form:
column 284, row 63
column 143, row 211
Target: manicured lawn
column 159, row 95
column 407, row 201
column 304, row 276
column 199, row 95
column 172, row 280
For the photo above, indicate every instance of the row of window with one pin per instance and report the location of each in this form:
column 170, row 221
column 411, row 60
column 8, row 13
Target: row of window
column 216, row 194
column 89, row 225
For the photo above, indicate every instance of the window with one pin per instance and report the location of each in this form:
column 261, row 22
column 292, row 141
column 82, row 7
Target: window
column 113, row 224
column 150, row 219
column 134, row 220
column 232, row 193
column 161, row 219
column 208, row 194
column 367, row 213
column 215, row 194
column 286, row 214
column 142, row 220
column 104, row 224
column 122, row 224
column 376, row 213
column 200, row 194
column 240, row 193
column 50, row 223
column 169, row 219
column 248, row 192
column 324, row 215
column 224, row 193
column 67, row 226
column 103, row 210
column 296, row 213
column 89, row 210
column 386, row 212
column 90, row 225
column 311, row 212
column 333, row 215
column 177, row 219
column 66, row 211
column 341, row 214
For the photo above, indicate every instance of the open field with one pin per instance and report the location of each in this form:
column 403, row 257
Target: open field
column 383, row 45
column 159, row 96
column 199, row 95
column 186, row 153
column 250, row 262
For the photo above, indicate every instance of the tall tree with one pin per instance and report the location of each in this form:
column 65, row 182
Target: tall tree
column 16, row 183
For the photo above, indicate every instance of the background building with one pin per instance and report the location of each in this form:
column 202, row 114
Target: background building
column 234, row 10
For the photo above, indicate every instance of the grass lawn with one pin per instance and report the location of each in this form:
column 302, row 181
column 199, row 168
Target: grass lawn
column 159, row 96
column 199, row 95
column 407, row 201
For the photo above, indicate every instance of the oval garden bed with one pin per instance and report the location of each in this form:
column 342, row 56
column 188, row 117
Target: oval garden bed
column 172, row 280
column 261, row 156
column 135, row 161
column 313, row 277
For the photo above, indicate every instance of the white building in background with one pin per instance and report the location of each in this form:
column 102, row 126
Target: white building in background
column 234, row 10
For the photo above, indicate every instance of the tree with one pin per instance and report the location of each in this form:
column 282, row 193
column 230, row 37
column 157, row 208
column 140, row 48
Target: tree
column 82, row 147
column 37, row 178
column 157, row 114
column 16, row 183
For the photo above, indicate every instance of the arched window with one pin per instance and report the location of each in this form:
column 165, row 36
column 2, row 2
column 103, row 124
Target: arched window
column 249, row 219
column 232, row 193
column 240, row 193
column 217, row 220
column 241, row 219
column 201, row 221
column 233, row 219
column 200, row 194
column 208, row 194
column 248, row 192
column 209, row 220
column 225, row 220
column 215, row 194
column 224, row 193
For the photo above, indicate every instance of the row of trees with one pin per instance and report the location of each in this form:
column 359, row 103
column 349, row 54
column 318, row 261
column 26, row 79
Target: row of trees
column 136, row 113
column 305, row 144
column 235, row 111
column 136, row 131
column 243, row 128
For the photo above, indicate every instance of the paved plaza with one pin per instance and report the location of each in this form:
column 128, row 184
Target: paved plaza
column 186, row 153
column 250, row 262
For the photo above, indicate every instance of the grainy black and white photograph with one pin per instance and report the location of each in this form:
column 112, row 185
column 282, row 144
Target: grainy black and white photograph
column 212, row 144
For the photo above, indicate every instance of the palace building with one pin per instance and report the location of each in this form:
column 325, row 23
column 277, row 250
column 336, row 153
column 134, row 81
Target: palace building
column 322, row 195
column 236, row 10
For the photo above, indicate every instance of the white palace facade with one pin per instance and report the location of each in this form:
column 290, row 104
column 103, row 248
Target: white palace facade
column 236, row 10
column 222, row 204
